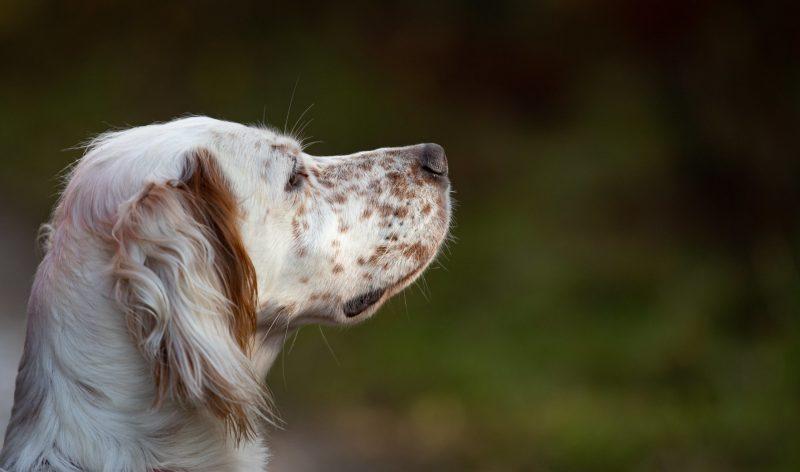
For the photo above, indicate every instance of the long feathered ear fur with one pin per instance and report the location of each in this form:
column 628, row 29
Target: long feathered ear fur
column 188, row 289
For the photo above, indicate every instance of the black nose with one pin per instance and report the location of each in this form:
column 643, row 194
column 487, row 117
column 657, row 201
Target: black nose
column 433, row 159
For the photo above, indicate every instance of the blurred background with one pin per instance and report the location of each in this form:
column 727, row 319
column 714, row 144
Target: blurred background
column 623, row 292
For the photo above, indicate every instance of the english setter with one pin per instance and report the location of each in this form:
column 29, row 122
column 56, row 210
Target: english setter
column 174, row 250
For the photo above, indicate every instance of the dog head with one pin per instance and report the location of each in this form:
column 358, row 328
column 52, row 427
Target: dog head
column 332, row 238
column 216, row 229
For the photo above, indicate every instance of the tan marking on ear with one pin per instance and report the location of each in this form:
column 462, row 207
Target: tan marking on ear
column 216, row 207
column 210, row 201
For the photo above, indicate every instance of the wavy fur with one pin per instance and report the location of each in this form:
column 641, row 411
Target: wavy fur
column 188, row 289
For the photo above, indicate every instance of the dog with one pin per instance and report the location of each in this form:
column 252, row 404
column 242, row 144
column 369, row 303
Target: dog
column 176, row 259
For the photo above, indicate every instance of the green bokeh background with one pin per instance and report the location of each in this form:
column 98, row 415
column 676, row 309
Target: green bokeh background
column 622, row 291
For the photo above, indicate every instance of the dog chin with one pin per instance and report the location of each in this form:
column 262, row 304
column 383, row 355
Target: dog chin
column 363, row 306
column 357, row 305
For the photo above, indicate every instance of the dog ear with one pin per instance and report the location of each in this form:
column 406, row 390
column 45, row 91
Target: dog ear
column 188, row 289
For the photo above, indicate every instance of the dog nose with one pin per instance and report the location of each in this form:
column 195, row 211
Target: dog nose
column 433, row 159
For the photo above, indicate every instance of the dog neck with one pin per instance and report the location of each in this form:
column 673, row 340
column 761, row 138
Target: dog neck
column 84, row 398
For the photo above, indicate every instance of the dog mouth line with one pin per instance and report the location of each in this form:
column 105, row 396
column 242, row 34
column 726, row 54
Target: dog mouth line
column 358, row 304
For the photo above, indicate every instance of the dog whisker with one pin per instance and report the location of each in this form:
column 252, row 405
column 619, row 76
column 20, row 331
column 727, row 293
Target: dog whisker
column 330, row 349
column 289, row 109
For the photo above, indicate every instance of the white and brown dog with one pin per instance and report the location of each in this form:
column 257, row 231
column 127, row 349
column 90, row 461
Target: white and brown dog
column 177, row 257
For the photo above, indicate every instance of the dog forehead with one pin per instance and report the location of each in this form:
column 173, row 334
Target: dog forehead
column 252, row 140
column 253, row 155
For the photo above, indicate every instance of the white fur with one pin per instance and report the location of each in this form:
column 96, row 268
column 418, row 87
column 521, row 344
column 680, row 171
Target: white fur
column 85, row 394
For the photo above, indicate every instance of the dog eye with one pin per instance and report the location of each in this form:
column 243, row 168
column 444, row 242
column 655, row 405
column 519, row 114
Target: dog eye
column 297, row 177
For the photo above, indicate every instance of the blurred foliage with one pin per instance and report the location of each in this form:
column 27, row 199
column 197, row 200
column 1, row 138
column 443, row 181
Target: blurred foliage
column 623, row 291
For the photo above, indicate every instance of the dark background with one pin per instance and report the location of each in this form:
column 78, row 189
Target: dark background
column 623, row 292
